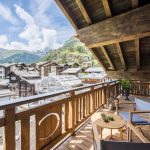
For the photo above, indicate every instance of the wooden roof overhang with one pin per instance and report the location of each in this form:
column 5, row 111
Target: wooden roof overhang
column 116, row 31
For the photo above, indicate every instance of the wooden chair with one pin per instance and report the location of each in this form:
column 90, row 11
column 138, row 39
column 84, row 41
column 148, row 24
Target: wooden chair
column 119, row 145
column 139, row 107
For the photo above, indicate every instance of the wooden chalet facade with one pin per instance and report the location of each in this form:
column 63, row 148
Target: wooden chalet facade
column 5, row 70
column 48, row 67
column 117, row 33
column 22, row 81
column 72, row 71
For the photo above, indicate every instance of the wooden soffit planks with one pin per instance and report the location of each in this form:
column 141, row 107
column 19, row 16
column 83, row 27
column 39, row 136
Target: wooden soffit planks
column 101, row 64
column 134, row 3
column 106, row 8
column 137, row 50
column 120, row 55
column 67, row 13
column 127, row 26
column 107, row 58
column 83, row 11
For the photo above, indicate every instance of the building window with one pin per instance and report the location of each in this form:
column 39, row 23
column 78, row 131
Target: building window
column 1, row 72
column 13, row 78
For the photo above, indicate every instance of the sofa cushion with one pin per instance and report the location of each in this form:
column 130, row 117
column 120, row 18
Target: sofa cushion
column 136, row 120
column 141, row 104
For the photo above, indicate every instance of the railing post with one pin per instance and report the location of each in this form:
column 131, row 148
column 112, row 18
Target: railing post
column 72, row 111
column 9, row 129
column 92, row 98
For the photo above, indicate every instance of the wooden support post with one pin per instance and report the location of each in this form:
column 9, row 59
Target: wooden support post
column 25, row 133
column 9, row 129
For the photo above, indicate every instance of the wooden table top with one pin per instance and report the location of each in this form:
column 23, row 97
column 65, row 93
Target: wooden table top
column 116, row 124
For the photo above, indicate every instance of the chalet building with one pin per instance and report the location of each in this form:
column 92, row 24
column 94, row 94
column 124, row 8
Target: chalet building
column 5, row 70
column 48, row 67
column 23, row 81
column 72, row 71
column 5, row 95
column 95, row 70
column 74, row 65
column 4, row 84
column 87, row 64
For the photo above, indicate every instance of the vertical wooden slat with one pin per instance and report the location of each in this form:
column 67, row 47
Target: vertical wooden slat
column 66, row 115
column 92, row 99
column 25, row 133
column 77, row 110
column 103, row 96
column 80, row 108
column 9, row 129
column 84, row 107
column 87, row 104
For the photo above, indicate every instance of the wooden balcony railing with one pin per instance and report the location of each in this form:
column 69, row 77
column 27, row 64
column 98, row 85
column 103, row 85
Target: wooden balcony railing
column 40, row 122
column 140, row 87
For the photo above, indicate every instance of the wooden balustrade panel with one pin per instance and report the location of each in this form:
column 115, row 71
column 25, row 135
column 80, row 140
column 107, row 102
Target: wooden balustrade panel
column 140, row 88
column 50, row 128
column 53, row 121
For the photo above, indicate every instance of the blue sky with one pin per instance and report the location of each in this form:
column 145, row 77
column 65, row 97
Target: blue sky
column 32, row 25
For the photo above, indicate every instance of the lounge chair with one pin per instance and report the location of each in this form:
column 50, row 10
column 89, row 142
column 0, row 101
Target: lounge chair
column 139, row 107
column 119, row 145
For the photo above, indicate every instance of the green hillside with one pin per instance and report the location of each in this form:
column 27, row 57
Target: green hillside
column 72, row 51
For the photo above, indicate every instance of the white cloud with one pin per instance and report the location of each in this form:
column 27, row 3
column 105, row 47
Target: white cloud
column 24, row 15
column 6, row 14
column 3, row 39
column 39, row 9
column 37, row 38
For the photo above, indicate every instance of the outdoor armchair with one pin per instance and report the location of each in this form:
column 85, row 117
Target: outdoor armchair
column 100, row 144
column 139, row 107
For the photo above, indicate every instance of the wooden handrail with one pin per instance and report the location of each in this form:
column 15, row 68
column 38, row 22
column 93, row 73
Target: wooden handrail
column 30, row 99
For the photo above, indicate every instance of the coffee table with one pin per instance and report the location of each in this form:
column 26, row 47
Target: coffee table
column 118, row 123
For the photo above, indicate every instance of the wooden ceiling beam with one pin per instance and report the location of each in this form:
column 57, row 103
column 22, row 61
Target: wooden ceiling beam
column 127, row 38
column 67, row 13
column 134, row 3
column 120, row 55
column 106, row 8
column 137, row 49
column 130, row 74
column 127, row 26
column 83, row 11
column 107, row 57
column 92, row 51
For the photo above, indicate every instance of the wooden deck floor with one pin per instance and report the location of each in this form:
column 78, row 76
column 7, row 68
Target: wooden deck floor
column 83, row 138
